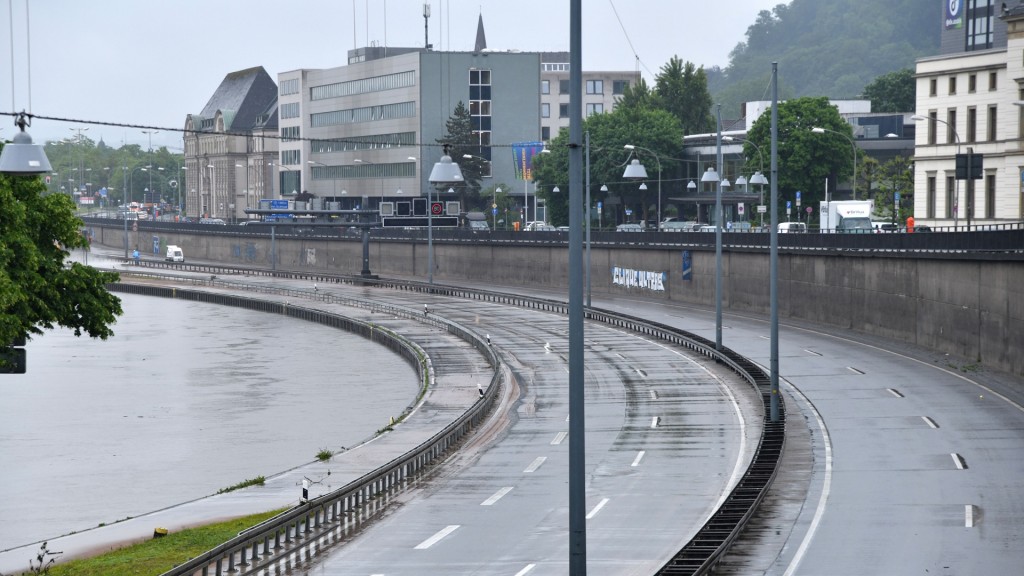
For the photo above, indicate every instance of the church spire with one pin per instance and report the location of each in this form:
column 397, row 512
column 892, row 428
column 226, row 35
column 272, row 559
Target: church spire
column 481, row 39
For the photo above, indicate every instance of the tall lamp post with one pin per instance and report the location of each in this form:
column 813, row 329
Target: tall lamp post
column 956, row 136
column 712, row 176
column 444, row 172
column 150, row 152
column 853, row 145
column 637, row 170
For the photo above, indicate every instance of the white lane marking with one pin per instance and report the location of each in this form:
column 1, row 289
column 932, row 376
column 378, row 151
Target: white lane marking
column 597, row 508
column 526, row 570
column 929, row 422
column 558, row 438
column 641, row 372
column 826, row 487
column 854, row 370
column 437, row 537
column 654, row 394
column 496, row 496
column 535, row 464
column 895, row 392
column 654, row 421
column 639, row 457
column 969, row 516
column 958, row 460
column 812, row 352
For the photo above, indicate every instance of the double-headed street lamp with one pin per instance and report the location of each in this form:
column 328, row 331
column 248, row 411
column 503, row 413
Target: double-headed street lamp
column 758, row 177
column 637, row 170
column 853, row 144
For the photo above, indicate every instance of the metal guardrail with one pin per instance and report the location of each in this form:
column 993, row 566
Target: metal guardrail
column 367, row 495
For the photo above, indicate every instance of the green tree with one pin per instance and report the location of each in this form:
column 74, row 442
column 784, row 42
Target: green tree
column 682, row 90
column 656, row 130
column 893, row 92
column 805, row 158
column 636, row 97
column 895, row 176
column 463, row 141
column 39, row 287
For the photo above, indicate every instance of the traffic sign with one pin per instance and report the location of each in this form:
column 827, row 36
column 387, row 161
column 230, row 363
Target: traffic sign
column 436, row 208
column 739, row 209
column 761, row 208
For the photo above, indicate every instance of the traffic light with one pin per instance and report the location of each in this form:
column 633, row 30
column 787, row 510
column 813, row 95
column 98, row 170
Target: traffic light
column 419, row 206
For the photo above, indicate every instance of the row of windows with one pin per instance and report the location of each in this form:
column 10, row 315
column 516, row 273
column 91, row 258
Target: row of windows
column 563, row 110
column 952, row 200
column 970, row 134
column 479, row 77
column 591, row 86
column 346, row 171
column 972, row 84
column 290, row 133
column 289, row 87
column 980, row 14
column 291, row 157
column 363, row 86
column 555, row 66
column 368, row 142
column 290, row 110
column 365, row 114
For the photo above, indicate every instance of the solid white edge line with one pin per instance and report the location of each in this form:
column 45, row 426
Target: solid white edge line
column 496, row 496
column 526, row 570
column 535, row 464
column 639, row 457
column 597, row 508
column 437, row 537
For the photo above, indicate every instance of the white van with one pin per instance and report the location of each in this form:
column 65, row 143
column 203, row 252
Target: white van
column 792, row 227
column 174, row 254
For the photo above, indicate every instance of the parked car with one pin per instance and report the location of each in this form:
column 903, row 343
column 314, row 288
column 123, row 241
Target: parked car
column 792, row 227
column 678, row 226
column 629, row 227
column 707, row 228
column 539, row 226
column 212, row 221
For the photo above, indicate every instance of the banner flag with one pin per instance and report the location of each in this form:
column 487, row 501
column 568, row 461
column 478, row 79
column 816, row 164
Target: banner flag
column 522, row 154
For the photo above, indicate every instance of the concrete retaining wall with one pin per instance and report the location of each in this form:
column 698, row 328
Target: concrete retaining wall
column 971, row 309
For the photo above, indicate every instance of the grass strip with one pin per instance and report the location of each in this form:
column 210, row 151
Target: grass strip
column 156, row 556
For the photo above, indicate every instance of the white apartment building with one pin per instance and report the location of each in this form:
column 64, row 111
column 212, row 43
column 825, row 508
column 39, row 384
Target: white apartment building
column 968, row 103
column 600, row 91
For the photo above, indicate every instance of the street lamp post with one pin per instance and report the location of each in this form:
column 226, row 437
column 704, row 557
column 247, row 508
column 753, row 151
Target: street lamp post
column 758, row 177
column 712, row 176
column 445, row 171
column 956, row 201
column 150, row 152
column 635, row 169
column 853, row 145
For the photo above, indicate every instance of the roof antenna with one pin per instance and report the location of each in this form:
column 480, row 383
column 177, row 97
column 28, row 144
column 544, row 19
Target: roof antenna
column 426, row 27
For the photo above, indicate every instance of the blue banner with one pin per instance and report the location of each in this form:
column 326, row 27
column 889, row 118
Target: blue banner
column 522, row 154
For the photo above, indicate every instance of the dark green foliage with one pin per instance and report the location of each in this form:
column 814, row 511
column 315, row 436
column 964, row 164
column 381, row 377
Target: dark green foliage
column 462, row 141
column 830, row 48
column 893, row 92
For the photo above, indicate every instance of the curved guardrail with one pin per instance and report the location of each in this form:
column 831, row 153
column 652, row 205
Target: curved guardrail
column 698, row 557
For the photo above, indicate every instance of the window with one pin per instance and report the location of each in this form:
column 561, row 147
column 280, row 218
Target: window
column 363, row 86
column 289, row 86
column 595, row 108
column 291, row 157
column 480, row 110
column 933, row 87
column 992, row 81
column 545, row 110
column 290, row 110
column 619, row 86
column 595, row 86
column 972, row 124
column 289, row 133
column 545, row 87
column 545, row 133
column 932, row 121
column 979, row 18
column 950, row 195
column 990, row 196
column 929, row 209
column 563, row 110
column 990, row 134
column 952, row 85
column 972, row 83
column 563, row 86
column 951, row 133
column 366, row 114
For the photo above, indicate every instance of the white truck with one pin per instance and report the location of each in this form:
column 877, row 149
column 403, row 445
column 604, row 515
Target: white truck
column 846, row 216
column 174, row 254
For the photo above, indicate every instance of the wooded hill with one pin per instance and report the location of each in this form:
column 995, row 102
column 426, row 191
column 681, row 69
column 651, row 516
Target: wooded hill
column 831, row 48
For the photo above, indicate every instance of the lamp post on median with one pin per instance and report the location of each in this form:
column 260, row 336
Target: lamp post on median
column 712, row 176
column 444, row 172
column 637, row 170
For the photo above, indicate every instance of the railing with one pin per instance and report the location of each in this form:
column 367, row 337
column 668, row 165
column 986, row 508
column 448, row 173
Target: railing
column 363, row 498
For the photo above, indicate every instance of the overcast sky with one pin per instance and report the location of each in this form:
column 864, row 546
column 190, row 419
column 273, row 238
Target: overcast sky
column 151, row 62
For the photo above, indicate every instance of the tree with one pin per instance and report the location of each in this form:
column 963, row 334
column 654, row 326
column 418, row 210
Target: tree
column 39, row 288
column 805, row 158
column 636, row 97
column 462, row 141
column 893, row 92
column 894, row 177
column 656, row 130
column 682, row 90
